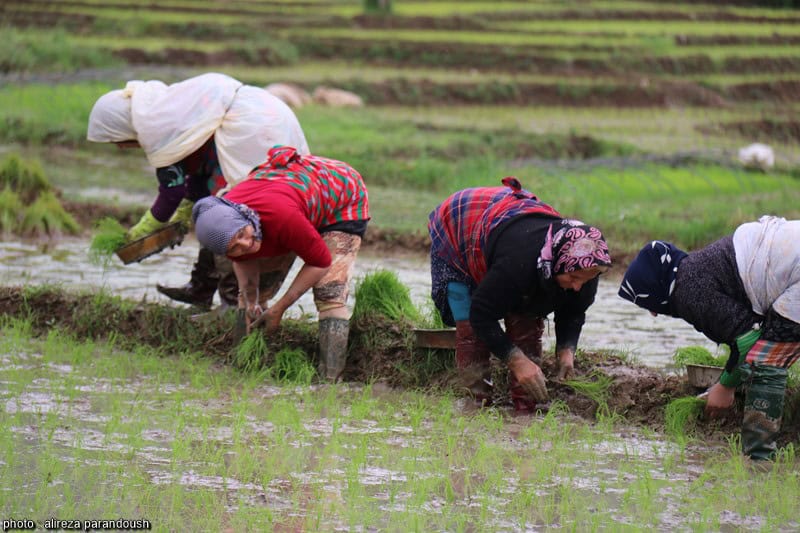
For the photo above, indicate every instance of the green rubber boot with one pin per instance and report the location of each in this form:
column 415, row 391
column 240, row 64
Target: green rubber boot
column 763, row 410
column 333, row 333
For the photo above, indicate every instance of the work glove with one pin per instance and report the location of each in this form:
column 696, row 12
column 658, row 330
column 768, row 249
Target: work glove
column 529, row 376
column 183, row 215
column 146, row 225
column 743, row 343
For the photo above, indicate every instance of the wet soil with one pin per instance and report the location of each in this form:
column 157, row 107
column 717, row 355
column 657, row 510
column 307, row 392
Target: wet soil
column 379, row 351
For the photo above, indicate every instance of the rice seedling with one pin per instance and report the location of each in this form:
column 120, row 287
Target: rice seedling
column 697, row 355
column 681, row 415
column 10, row 210
column 108, row 237
column 292, row 367
column 381, row 292
column 47, row 217
column 594, row 386
column 249, row 354
column 24, row 177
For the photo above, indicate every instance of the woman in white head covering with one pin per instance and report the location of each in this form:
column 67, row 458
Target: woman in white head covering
column 744, row 291
column 202, row 134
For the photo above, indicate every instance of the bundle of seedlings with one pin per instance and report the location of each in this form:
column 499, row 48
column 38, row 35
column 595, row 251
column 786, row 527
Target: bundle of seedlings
column 28, row 203
column 596, row 386
column 109, row 236
column 382, row 332
column 697, row 355
column 681, row 416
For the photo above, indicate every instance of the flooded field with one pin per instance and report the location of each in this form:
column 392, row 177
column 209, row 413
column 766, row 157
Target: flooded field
column 612, row 323
column 95, row 431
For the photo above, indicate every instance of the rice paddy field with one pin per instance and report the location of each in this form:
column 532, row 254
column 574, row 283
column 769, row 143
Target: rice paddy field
column 627, row 114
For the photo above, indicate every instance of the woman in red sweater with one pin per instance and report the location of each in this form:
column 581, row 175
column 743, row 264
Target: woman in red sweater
column 292, row 205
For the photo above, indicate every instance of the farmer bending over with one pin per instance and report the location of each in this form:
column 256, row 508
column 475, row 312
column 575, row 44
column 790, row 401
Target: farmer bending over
column 292, row 205
column 742, row 290
column 501, row 253
column 200, row 134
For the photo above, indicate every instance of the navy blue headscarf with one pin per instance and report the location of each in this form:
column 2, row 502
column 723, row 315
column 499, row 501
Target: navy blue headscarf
column 650, row 278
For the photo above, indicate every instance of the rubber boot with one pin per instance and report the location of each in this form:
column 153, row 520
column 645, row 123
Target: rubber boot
column 526, row 334
column 763, row 410
column 202, row 285
column 227, row 286
column 472, row 362
column 333, row 333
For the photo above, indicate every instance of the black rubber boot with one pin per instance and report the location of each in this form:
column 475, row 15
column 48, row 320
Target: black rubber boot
column 333, row 333
column 763, row 411
column 202, row 285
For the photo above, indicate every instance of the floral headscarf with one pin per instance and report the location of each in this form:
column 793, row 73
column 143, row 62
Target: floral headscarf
column 574, row 246
column 650, row 278
column 217, row 220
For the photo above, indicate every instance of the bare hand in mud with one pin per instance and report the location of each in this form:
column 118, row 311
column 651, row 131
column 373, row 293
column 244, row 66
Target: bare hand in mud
column 529, row 376
column 719, row 400
column 566, row 364
column 252, row 314
column 272, row 319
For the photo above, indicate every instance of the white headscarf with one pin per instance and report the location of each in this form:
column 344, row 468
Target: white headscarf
column 768, row 259
column 110, row 120
column 173, row 121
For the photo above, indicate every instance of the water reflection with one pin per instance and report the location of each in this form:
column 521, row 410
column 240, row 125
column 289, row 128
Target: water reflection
column 612, row 323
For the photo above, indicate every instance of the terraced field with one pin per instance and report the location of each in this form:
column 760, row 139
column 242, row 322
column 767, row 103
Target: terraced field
column 456, row 93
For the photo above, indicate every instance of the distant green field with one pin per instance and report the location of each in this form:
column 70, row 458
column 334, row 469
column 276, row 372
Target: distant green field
column 643, row 107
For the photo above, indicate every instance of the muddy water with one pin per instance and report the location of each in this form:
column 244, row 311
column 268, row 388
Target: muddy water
column 69, row 417
column 612, row 323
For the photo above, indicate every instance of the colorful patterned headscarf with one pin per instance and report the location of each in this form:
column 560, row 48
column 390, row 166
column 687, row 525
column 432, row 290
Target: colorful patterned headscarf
column 650, row 278
column 217, row 220
column 573, row 246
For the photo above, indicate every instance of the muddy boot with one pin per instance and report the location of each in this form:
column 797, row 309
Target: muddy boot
column 202, row 285
column 526, row 334
column 227, row 286
column 472, row 362
column 333, row 334
column 763, row 410
column 239, row 326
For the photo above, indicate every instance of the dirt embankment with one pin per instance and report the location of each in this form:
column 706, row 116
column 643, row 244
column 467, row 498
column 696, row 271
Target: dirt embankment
column 379, row 350
column 785, row 132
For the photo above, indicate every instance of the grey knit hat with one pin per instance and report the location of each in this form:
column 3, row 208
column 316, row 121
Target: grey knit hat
column 217, row 220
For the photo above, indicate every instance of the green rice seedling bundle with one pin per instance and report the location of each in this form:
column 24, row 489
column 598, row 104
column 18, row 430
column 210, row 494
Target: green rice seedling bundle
column 381, row 292
column 594, row 386
column 108, row 237
column 46, row 216
column 292, row 366
column 681, row 415
column 697, row 355
column 25, row 177
column 10, row 210
column 249, row 354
